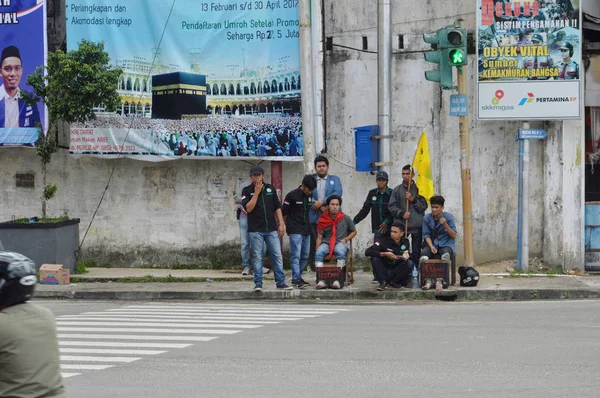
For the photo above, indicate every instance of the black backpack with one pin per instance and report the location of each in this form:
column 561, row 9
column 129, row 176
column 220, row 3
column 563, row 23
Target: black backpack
column 468, row 276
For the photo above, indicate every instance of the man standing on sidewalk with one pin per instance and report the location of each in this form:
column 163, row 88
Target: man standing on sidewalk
column 296, row 213
column 377, row 203
column 413, row 215
column 262, row 204
column 327, row 185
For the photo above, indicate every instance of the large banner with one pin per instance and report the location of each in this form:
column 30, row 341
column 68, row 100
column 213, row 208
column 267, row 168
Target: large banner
column 23, row 49
column 201, row 79
column 529, row 59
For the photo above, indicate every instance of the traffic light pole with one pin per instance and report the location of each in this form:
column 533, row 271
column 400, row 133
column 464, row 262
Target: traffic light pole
column 465, row 166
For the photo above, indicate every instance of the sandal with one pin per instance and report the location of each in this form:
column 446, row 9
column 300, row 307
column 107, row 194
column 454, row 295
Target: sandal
column 427, row 284
column 439, row 285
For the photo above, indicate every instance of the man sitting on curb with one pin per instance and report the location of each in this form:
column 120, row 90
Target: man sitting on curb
column 335, row 230
column 390, row 259
column 439, row 232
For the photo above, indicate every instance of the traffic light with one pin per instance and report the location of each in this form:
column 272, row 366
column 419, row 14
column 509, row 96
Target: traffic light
column 455, row 45
column 443, row 74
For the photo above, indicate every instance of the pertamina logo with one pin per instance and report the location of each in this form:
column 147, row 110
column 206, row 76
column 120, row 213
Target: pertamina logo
column 530, row 97
column 498, row 95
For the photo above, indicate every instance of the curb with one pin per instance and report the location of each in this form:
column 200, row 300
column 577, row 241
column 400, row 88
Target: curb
column 346, row 295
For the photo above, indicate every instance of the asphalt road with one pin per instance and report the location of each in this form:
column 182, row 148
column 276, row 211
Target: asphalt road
column 517, row 349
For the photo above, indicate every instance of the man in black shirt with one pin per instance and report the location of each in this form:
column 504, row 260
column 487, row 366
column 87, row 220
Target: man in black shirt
column 263, row 207
column 390, row 258
column 296, row 210
column 377, row 203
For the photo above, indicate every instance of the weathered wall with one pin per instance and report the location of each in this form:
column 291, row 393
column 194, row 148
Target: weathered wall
column 153, row 213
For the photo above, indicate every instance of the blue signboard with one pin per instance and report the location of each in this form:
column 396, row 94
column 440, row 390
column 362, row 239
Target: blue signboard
column 458, row 105
column 532, row 134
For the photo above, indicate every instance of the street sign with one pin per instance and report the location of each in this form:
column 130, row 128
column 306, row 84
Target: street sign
column 458, row 105
column 531, row 134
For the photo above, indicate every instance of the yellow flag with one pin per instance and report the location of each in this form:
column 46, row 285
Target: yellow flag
column 422, row 165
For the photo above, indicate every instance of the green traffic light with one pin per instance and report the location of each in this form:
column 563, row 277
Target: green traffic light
column 456, row 57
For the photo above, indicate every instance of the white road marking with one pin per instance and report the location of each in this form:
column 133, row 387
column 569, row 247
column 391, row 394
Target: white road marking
column 154, row 318
column 77, row 366
column 66, row 375
column 147, row 330
column 109, row 351
column 130, row 337
column 118, row 344
column 97, row 359
column 178, row 325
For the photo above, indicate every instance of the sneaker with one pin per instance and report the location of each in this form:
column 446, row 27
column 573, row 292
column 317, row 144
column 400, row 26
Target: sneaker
column 301, row 284
column 258, row 288
column 381, row 287
column 374, row 281
column 427, row 284
column 266, row 270
column 246, row 271
column 304, row 282
column 321, row 285
column 446, row 257
column 423, row 259
column 439, row 285
column 336, row 285
column 283, row 286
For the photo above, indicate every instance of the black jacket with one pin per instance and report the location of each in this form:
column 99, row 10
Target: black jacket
column 296, row 206
column 387, row 245
column 262, row 217
column 377, row 204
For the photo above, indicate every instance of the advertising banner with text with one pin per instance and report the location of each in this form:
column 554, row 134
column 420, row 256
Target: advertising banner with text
column 200, row 79
column 529, row 59
column 23, row 48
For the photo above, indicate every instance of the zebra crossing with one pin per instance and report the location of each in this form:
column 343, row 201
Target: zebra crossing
column 115, row 337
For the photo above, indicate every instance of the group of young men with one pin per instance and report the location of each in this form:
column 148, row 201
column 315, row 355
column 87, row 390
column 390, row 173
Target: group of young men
column 318, row 229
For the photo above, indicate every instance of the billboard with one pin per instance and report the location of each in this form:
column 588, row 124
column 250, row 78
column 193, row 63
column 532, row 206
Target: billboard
column 201, row 79
column 529, row 57
column 23, row 48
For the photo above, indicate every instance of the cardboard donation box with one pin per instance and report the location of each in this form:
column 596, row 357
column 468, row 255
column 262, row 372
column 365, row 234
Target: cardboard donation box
column 435, row 269
column 54, row 274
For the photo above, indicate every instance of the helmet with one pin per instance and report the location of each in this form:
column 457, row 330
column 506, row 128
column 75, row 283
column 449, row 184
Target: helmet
column 468, row 276
column 17, row 278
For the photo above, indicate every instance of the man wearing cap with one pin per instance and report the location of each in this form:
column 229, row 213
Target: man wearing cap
column 265, row 226
column 415, row 212
column 567, row 68
column 377, row 203
column 542, row 66
column 13, row 111
column 296, row 213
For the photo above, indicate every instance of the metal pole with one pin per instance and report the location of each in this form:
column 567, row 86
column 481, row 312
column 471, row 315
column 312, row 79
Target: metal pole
column 465, row 166
column 316, row 35
column 384, row 80
column 306, row 74
column 525, row 208
column 520, row 205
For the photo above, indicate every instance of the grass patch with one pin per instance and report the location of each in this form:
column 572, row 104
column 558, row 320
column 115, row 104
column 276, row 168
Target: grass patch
column 81, row 268
column 49, row 220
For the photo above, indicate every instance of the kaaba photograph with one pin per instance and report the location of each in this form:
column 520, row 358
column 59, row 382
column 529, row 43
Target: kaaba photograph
column 178, row 93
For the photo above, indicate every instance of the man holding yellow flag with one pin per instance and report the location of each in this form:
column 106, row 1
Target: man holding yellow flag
column 407, row 204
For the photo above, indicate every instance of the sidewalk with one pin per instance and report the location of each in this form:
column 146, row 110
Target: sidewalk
column 167, row 284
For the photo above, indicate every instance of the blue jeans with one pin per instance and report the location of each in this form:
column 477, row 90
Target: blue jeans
column 340, row 250
column 299, row 251
column 271, row 239
column 244, row 240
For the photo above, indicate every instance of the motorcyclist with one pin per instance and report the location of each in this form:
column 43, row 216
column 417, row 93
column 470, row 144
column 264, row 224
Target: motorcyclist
column 29, row 357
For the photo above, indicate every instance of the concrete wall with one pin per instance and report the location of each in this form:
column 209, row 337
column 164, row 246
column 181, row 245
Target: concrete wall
column 183, row 211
